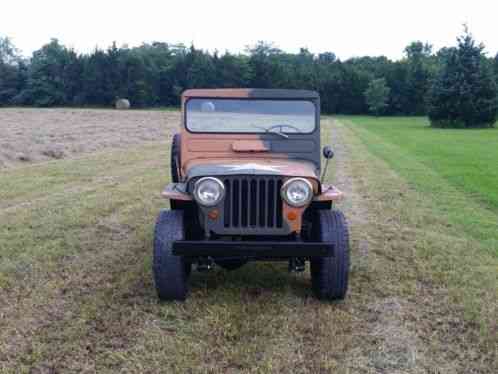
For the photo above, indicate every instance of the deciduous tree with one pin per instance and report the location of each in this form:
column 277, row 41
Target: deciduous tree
column 12, row 72
column 377, row 95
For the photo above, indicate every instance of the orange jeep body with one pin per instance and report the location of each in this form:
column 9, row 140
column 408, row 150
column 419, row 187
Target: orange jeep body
column 246, row 185
column 225, row 154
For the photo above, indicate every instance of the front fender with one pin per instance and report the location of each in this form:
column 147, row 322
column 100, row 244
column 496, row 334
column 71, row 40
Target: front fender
column 176, row 191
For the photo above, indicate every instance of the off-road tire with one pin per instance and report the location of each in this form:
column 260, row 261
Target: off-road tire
column 175, row 158
column 329, row 275
column 231, row 264
column 170, row 272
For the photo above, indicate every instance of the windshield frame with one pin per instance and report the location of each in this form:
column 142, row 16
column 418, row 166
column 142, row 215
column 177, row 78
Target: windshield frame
column 314, row 102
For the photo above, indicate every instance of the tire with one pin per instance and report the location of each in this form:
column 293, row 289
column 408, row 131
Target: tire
column 329, row 275
column 170, row 272
column 231, row 264
column 175, row 158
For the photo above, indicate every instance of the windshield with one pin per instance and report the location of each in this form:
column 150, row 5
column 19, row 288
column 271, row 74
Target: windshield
column 250, row 116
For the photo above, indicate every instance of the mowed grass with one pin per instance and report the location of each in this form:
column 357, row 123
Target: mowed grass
column 466, row 158
column 454, row 173
column 442, row 163
column 76, row 291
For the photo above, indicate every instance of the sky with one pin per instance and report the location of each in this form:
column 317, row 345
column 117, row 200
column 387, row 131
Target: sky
column 348, row 28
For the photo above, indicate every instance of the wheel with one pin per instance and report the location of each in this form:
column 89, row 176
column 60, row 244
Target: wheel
column 170, row 272
column 329, row 275
column 231, row 264
column 175, row 158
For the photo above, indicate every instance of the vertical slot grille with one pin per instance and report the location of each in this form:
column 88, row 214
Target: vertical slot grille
column 253, row 202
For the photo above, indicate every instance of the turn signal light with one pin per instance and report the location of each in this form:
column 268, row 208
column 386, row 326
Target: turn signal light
column 214, row 214
column 292, row 216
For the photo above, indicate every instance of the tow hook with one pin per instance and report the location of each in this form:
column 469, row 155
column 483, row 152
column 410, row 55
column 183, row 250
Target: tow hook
column 297, row 264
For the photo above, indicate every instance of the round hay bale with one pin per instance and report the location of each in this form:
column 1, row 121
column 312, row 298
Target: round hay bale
column 122, row 104
column 208, row 106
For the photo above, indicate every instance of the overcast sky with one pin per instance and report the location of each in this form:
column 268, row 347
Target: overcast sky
column 347, row 28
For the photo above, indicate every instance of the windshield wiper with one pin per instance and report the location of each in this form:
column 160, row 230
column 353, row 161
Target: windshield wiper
column 272, row 130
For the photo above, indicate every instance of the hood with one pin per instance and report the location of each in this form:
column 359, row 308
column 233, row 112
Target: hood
column 291, row 168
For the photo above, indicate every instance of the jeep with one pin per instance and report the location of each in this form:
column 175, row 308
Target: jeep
column 247, row 185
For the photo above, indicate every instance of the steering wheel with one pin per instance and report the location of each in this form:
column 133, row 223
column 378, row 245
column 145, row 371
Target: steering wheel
column 283, row 125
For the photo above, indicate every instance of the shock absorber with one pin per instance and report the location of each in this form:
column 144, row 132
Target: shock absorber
column 297, row 264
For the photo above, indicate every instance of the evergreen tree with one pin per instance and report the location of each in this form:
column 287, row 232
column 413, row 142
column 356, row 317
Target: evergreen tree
column 464, row 93
column 495, row 67
column 377, row 95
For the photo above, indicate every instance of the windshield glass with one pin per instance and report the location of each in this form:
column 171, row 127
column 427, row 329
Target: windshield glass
column 250, row 116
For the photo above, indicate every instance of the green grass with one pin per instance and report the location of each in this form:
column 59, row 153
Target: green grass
column 466, row 158
column 451, row 234
column 441, row 204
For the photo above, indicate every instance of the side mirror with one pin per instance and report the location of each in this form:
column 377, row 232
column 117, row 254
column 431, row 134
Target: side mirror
column 327, row 152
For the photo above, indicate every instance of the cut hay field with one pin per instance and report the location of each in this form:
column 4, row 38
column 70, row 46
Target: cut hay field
column 36, row 135
column 76, row 292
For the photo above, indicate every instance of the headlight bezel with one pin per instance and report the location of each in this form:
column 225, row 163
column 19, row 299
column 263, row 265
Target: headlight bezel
column 198, row 184
column 285, row 188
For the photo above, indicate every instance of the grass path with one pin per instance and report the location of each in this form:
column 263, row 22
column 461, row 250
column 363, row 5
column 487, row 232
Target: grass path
column 76, row 291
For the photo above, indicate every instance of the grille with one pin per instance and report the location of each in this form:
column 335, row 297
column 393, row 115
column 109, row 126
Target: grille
column 252, row 202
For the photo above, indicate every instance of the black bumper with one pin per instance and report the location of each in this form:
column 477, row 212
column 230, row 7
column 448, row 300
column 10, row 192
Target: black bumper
column 267, row 249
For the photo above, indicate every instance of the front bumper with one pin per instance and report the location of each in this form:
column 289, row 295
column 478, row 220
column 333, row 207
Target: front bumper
column 256, row 249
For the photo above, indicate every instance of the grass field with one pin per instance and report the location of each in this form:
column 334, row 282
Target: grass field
column 37, row 135
column 458, row 168
column 468, row 160
column 76, row 293
column 456, row 174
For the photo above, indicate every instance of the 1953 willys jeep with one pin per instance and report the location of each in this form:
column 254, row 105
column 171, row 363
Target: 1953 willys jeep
column 246, row 186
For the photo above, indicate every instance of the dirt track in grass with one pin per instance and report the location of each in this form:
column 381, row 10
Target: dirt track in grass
column 77, row 296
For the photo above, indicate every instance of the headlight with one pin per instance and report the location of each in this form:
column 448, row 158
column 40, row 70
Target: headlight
column 297, row 192
column 209, row 191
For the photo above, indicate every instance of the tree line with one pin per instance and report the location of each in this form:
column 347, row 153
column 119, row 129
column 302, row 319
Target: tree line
column 155, row 75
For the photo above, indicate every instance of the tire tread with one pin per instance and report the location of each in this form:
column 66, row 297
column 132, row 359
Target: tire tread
column 170, row 271
column 330, row 274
